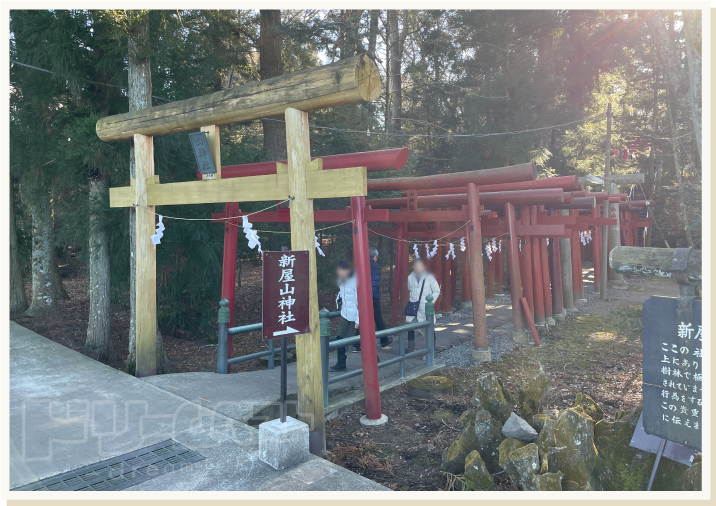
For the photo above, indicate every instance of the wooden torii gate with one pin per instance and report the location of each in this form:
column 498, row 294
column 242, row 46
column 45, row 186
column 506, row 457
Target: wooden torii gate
column 348, row 81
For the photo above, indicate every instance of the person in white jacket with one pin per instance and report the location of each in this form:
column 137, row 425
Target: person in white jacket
column 420, row 278
column 347, row 301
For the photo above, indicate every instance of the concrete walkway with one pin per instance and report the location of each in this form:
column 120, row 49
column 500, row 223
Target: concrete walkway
column 252, row 397
column 68, row 411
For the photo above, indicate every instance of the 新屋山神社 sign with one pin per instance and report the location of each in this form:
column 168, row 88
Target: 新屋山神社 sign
column 672, row 372
column 285, row 294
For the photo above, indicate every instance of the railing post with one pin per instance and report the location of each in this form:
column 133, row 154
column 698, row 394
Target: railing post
column 224, row 316
column 272, row 349
column 401, row 349
column 325, row 335
column 430, row 331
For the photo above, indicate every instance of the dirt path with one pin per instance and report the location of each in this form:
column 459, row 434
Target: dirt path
column 597, row 351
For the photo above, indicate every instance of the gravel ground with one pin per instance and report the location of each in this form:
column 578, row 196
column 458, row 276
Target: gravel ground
column 500, row 342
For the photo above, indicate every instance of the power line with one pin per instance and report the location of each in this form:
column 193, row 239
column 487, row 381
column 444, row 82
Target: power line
column 85, row 80
column 346, row 130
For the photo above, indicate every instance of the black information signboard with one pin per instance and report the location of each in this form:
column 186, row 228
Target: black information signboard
column 285, row 294
column 672, row 372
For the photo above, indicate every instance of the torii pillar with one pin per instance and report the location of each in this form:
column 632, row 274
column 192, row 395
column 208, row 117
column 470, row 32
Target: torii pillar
column 481, row 350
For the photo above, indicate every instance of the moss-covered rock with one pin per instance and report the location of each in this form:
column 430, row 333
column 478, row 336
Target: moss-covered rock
column 454, row 458
column 466, row 441
column 520, row 463
column 545, row 440
column 430, row 386
column 544, row 482
column 631, row 468
column 591, row 408
column 492, row 397
column 506, row 448
column 476, row 472
column 578, row 458
column 466, row 418
column 539, row 421
column 530, row 396
column 488, row 434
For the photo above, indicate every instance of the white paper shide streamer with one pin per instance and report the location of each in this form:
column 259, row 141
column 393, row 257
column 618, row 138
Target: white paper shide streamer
column 488, row 251
column 415, row 249
column 463, row 246
column 251, row 235
column 435, row 249
column 318, row 247
column 451, row 251
column 159, row 232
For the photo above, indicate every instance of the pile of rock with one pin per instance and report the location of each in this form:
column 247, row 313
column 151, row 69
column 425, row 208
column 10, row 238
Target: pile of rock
column 575, row 449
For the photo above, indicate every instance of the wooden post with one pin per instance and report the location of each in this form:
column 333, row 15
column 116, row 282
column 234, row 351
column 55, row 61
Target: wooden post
column 499, row 268
column 228, row 276
column 519, row 329
column 481, row 350
column 557, row 305
column 446, row 288
column 466, row 290
column 526, row 264
column 308, row 346
column 547, row 297
column 565, row 256
column 596, row 252
column 397, row 277
column 453, row 281
column 537, row 279
column 490, row 288
column 577, row 272
column 403, row 273
column 146, row 260
column 437, row 268
column 369, row 353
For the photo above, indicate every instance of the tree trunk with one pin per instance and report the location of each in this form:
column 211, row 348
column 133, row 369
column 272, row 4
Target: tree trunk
column 57, row 287
column 271, row 65
column 679, row 176
column 43, row 301
column 373, row 32
column 650, row 182
column 18, row 301
column 140, row 97
column 692, row 30
column 98, row 344
column 396, row 100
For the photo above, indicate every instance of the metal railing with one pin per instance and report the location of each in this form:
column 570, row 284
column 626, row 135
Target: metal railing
column 429, row 351
column 327, row 345
column 222, row 361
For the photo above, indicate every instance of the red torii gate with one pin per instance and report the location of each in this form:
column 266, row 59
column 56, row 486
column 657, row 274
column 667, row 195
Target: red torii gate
column 490, row 226
column 389, row 159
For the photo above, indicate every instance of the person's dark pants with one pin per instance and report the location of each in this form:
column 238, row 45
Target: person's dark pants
column 411, row 335
column 346, row 329
column 378, row 317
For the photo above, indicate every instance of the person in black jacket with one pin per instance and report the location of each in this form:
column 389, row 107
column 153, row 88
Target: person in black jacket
column 375, row 282
column 377, row 314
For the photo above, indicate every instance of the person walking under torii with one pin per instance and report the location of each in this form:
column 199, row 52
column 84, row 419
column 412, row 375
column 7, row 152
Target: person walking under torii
column 421, row 283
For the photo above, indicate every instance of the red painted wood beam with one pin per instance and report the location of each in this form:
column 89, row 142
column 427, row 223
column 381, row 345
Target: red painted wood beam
column 513, row 265
column 579, row 203
column 566, row 183
column 319, row 216
column 544, row 196
column 511, row 174
column 386, row 159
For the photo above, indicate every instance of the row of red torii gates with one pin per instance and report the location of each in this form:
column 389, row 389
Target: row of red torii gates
column 538, row 220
